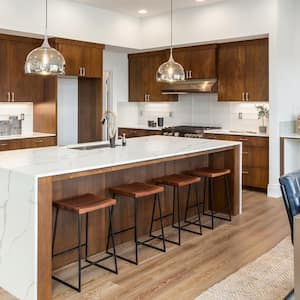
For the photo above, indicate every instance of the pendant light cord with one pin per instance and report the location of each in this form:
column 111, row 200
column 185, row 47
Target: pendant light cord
column 46, row 24
column 172, row 27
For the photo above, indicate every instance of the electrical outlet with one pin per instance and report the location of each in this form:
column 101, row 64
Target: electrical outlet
column 22, row 117
column 240, row 115
column 171, row 114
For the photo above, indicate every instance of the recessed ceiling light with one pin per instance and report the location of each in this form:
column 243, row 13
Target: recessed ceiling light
column 142, row 11
column 200, row 0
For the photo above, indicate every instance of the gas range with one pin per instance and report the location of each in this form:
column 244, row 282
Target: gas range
column 187, row 131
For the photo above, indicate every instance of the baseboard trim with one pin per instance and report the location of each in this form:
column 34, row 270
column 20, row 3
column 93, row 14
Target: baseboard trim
column 274, row 191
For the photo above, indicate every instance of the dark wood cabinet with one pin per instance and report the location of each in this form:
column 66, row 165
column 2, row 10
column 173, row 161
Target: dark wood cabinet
column 82, row 59
column 143, row 86
column 199, row 62
column 243, row 71
column 255, row 158
column 134, row 132
column 4, row 76
column 15, row 85
column 16, row 144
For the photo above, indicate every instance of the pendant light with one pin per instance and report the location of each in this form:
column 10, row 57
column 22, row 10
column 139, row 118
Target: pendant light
column 45, row 60
column 170, row 71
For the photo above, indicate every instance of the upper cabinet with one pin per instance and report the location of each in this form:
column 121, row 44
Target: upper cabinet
column 82, row 59
column 199, row 62
column 243, row 71
column 143, row 86
column 15, row 85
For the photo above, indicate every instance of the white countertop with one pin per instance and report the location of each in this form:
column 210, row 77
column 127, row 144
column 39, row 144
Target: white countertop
column 25, row 136
column 51, row 161
column 291, row 136
column 145, row 127
column 236, row 132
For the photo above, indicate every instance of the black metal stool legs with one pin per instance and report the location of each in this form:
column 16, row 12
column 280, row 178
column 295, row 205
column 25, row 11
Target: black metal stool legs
column 187, row 207
column 79, row 246
column 212, row 213
column 135, row 229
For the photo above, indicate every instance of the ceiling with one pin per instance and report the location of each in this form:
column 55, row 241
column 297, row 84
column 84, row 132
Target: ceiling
column 154, row 7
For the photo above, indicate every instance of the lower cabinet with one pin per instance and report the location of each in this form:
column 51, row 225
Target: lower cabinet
column 132, row 132
column 255, row 158
column 6, row 145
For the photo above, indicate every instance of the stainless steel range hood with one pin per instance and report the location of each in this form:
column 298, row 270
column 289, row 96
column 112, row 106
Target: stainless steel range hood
column 192, row 86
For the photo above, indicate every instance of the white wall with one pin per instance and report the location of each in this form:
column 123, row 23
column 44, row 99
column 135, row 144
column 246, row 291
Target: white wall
column 72, row 20
column 230, row 19
column 201, row 109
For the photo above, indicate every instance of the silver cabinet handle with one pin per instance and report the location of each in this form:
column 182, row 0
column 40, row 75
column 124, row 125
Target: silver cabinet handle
column 39, row 142
column 8, row 96
column 191, row 75
column 13, row 97
column 244, row 140
column 80, row 71
column 83, row 71
column 4, row 145
column 145, row 98
column 247, row 96
column 245, row 153
column 243, row 96
column 148, row 98
column 187, row 74
column 245, row 172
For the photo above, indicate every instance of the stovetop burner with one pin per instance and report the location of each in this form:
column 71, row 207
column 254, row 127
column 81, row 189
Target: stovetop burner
column 187, row 131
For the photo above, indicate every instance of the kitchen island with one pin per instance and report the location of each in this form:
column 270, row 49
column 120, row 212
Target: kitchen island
column 30, row 180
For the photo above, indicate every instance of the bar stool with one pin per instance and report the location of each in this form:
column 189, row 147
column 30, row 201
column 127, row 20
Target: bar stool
column 83, row 205
column 136, row 191
column 177, row 181
column 209, row 175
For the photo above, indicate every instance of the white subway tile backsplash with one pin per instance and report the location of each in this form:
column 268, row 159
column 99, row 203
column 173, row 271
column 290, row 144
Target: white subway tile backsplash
column 26, row 108
column 196, row 109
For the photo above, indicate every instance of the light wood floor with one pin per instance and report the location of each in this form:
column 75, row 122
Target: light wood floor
column 184, row 272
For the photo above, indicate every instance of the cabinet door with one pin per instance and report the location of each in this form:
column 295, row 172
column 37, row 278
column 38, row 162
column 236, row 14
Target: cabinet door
column 154, row 88
column 231, row 72
column 4, row 77
column 257, row 70
column 92, row 62
column 137, row 78
column 74, row 56
column 200, row 62
column 23, row 87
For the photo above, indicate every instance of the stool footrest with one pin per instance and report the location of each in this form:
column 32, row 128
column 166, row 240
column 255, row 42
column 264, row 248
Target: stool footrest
column 124, row 258
column 66, row 284
column 124, row 230
column 183, row 227
column 68, row 250
column 163, row 217
column 218, row 217
column 167, row 240
column 96, row 264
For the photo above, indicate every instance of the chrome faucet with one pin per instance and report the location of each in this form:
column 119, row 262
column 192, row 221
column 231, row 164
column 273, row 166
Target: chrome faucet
column 111, row 118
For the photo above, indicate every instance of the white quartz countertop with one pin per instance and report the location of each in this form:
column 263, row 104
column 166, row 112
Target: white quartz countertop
column 145, row 127
column 51, row 161
column 25, row 136
column 236, row 132
column 291, row 136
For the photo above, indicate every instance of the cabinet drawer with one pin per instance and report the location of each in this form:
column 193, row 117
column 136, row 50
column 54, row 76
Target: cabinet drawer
column 38, row 142
column 27, row 143
column 252, row 141
column 10, row 145
column 256, row 157
column 131, row 132
column 255, row 177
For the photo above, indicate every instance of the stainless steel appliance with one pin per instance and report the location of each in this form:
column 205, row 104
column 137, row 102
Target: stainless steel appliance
column 187, row 131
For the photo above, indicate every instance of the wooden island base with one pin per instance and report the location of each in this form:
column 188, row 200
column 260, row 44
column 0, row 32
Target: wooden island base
column 98, row 181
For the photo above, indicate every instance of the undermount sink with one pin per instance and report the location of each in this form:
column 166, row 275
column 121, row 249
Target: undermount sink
column 92, row 147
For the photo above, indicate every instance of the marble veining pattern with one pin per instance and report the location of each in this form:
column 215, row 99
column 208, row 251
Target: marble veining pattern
column 19, row 172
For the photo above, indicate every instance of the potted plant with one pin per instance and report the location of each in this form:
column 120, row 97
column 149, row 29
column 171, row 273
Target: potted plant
column 262, row 114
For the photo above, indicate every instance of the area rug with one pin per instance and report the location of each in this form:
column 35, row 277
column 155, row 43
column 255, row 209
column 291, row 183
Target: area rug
column 269, row 277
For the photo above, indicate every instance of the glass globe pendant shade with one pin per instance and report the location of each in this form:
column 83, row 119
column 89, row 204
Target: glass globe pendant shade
column 170, row 71
column 45, row 61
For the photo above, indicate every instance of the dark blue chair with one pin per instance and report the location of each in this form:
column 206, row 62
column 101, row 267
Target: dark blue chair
column 290, row 188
